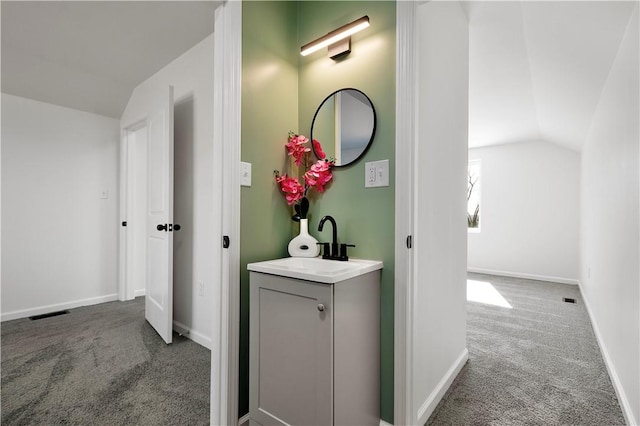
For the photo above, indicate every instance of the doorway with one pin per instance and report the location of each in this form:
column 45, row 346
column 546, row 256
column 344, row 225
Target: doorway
column 136, row 137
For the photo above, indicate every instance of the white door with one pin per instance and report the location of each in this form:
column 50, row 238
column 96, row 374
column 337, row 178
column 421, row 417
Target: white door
column 159, row 271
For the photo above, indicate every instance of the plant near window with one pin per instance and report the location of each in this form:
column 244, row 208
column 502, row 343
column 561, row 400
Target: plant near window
column 316, row 175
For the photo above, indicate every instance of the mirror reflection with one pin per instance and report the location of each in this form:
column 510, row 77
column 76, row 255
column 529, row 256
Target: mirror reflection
column 345, row 124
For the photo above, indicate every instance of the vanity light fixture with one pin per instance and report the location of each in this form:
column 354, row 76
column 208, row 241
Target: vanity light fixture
column 338, row 40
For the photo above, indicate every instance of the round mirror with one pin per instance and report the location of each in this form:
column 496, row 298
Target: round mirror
column 344, row 124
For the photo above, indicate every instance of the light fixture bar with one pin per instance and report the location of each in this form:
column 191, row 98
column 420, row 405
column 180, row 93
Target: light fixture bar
column 335, row 35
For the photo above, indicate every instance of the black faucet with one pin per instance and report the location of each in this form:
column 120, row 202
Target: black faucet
column 334, row 244
column 334, row 254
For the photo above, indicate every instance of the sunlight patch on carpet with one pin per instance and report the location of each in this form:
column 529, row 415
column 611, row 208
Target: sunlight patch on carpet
column 484, row 292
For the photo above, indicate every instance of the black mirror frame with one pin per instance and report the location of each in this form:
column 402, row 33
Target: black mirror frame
column 373, row 131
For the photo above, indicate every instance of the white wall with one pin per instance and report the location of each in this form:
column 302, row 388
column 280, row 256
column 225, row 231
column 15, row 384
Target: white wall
column 529, row 212
column 440, row 242
column 609, row 275
column 59, row 237
column 192, row 77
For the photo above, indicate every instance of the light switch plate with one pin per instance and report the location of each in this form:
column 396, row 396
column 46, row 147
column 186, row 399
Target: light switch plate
column 376, row 174
column 245, row 174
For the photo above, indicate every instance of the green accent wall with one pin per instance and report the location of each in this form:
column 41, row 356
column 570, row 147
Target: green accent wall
column 269, row 111
column 281, row 91
column 365, row 217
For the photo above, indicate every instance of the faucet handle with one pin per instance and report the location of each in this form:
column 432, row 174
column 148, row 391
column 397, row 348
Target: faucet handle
column 343, row 251
column 325, row 250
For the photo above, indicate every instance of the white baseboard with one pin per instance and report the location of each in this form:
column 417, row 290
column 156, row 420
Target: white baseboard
column 24, row 313
column 383, row 423
column 180, row 328
column 197, row 337
column 432, row 401
column 615, row 380
column 548, row 278
column 139, row 293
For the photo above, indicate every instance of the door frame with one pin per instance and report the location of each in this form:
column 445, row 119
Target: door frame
column 125, row 288
column 227, row 142
column 123, row 240
column 405, row 284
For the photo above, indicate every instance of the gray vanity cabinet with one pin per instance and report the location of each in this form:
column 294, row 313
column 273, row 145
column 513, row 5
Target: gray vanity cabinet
column 314, row 351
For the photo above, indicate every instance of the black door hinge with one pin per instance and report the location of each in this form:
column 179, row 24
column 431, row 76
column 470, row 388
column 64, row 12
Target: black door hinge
column 225, row 241
column 409, row 241
column 124, row 223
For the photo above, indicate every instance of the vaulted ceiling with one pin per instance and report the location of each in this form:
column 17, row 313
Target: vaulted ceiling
column 90, row 55
column 537, row 69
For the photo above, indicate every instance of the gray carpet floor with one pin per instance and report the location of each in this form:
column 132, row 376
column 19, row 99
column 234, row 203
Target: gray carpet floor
column 101, row 365
column 536, row 364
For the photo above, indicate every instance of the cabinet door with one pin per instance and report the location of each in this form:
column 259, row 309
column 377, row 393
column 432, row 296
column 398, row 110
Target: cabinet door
column 291, row 351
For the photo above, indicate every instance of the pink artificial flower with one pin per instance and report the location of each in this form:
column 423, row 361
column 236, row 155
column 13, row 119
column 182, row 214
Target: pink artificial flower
column 296, row 147
column 291, row 187
column 319, row 175
column 318, row 150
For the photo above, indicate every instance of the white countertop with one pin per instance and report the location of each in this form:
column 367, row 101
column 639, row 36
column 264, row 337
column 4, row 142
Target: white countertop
column 316, row 268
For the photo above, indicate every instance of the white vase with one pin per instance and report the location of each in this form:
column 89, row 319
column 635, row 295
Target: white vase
column 304, row 245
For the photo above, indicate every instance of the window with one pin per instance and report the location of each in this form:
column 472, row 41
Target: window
column 473, row 195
